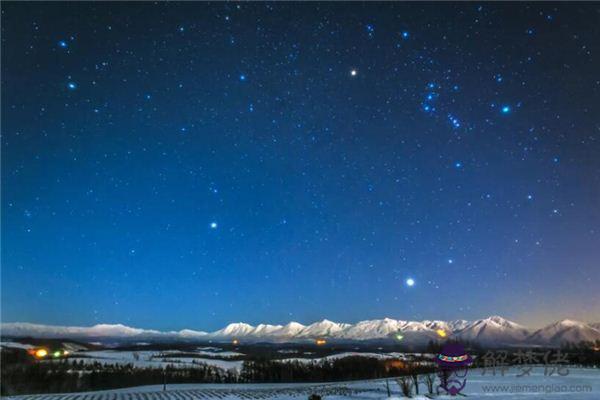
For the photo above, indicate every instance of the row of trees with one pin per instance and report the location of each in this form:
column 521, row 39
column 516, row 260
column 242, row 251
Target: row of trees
column 347, row 368
column 73, row 376
column 30, row 376
column 21, row 374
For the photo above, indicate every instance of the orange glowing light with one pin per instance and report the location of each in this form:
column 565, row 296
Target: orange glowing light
column 441, row 333
column 65, row 353
column 320, row 342
column 41, row 353
column 235, row 341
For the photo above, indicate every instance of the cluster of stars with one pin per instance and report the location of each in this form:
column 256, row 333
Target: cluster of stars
column 346, row 153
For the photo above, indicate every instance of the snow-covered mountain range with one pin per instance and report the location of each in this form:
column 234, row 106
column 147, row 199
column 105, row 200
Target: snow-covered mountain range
column 489, row 331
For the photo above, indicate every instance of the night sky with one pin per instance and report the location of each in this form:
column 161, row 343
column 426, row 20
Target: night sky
column 187, row 165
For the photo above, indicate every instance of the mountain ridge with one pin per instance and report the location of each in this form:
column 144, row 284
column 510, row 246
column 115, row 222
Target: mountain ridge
column 490, row 330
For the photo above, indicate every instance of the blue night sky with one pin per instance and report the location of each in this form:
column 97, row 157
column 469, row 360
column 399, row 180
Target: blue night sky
column 187, row 165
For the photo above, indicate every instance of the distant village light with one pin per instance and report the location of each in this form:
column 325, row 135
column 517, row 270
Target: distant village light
column 441, row 333
column 320, row 342
column 41, row 353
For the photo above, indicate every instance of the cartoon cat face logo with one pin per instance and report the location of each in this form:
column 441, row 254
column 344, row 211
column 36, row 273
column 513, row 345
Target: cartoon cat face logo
column 453, row 362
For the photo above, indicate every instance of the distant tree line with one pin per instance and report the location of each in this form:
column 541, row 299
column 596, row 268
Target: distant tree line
column 21, row 374
column 28, row 376
column 342, row 369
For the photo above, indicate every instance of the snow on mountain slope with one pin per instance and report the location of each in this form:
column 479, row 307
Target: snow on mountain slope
column 238, row 329
column 323, row 328
column 372, row 329
column 435, row 325
column 447, row 326
column 565, row 331
column 493, row 330
column 289, row 330
column 188, row 333
column 100, row 330
column 414, row 326
column 264, row 330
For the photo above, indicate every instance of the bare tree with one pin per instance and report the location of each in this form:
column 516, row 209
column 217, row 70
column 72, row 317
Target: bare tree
column 405, row 384
column 429, row 381
column 415, row 381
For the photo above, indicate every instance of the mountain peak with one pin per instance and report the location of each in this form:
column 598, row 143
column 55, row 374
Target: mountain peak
column 570, row 322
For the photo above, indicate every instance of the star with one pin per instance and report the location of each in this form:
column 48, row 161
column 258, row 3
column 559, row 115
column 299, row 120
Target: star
column 505, row 109
column 353, row 72
column 63, row 44
column 213, row 225
column 410, row 282
column 71, row 85
column 242, row 77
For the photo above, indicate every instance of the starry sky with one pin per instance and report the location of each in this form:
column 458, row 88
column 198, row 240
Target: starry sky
column 186, row 165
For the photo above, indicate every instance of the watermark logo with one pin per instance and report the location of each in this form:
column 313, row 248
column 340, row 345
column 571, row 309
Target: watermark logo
column 453, row 364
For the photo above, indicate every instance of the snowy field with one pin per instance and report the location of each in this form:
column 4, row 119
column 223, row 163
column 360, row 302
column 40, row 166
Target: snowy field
column 579, row 384
column 160, row 359
column 226, row 360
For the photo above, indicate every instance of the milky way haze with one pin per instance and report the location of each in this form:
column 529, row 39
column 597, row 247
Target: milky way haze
column 181, row 165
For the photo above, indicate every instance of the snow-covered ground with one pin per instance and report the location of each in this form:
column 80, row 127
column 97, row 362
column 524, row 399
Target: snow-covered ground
column 579, row 384
column 160, row 359
column 212, row 356
column 16, row 345
column 380, row 356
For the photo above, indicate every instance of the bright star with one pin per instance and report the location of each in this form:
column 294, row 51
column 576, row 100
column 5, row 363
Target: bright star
column 505, row 109
column 63, row 44
column 450, row 261
column 242, row 77
column 458, row 164
column 405, row 34
column 72, row 85
column 410, row 282
column 213, row 225
column 353, row 72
